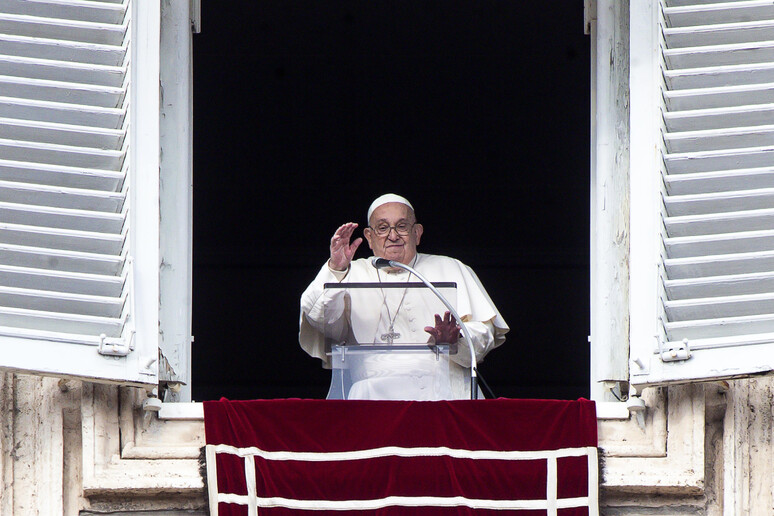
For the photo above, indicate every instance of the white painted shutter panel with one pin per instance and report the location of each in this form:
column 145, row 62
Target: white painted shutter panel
column 716, row 272
column 68, row 280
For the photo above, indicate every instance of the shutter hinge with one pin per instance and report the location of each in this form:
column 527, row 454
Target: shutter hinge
column 115, row 347
column 675, row 353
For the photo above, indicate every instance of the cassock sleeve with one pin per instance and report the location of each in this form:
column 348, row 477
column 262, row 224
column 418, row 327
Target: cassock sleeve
column 475, row 307
column 322, row 313
column 483, row 334
column 478, row 312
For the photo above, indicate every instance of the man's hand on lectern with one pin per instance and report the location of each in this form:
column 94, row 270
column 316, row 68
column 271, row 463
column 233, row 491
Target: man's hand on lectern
column 445, row 331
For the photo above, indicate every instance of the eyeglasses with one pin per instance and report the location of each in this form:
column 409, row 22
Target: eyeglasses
column 383, row 229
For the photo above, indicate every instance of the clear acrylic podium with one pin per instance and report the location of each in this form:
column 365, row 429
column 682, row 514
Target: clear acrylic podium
column 378, row 346
column 415, row 372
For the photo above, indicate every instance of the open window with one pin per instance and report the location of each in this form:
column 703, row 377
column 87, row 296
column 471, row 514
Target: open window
column 94, row 280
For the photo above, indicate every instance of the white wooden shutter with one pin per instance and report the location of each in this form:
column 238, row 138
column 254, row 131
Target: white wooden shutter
column 714, row 193
column 71, row 261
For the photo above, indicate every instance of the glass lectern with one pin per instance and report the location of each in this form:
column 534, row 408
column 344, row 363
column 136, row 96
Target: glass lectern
column 378, row 346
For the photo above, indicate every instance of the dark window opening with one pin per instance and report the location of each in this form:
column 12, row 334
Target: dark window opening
column 304, row 111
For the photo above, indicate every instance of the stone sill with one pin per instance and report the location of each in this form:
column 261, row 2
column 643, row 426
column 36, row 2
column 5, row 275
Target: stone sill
column 195, row 411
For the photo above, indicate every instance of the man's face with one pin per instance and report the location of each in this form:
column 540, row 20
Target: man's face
column 393, row 246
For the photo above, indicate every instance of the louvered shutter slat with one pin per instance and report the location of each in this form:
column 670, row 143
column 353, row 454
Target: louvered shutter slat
column 60, row 197
column 58, row 175
column 719, row 118
column 63, row 71
column 81, row 10
column 46, row 301
column 68, row 155
column 679, row 3
column 716, row 160
column 59, row 91
column 73, row 324
column 722, row 330
column 718, row 76
column 61, row 134
column 62, row 260
column 723, row 181
column 79, row 220
column 717, row 286
column 719, row 55
column 722, row 202
column 718, row 97
column 62, row 281
column 59, row 50
column 67, row 30
column 67, row 239
column 60, row 112
column 700, row 14
column 720, row 139
column 719, row 34
column 720, row 307
column 726, row 243
column 719, row 265
column 734, row 222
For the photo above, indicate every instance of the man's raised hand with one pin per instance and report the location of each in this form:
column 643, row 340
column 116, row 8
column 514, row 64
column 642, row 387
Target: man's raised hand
column 341, row 250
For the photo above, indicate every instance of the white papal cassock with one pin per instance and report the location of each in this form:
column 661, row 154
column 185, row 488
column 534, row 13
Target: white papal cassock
column 376, row 308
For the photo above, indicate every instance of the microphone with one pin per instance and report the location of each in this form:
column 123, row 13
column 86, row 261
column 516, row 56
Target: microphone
column 381, row 263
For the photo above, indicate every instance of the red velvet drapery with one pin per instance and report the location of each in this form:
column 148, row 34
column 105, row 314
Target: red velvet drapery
column 535, row 457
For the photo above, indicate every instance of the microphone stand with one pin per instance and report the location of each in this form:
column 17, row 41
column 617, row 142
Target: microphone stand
column 381, row 263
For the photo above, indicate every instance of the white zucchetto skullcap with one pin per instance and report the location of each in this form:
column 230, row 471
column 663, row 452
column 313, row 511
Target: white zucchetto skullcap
column 384, row 199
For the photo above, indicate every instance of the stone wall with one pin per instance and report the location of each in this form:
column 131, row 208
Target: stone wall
column 75, row 448
column 717, row 456
column 68, row 446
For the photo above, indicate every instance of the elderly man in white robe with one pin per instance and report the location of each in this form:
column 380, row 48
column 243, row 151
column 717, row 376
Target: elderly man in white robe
column 393, row 233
